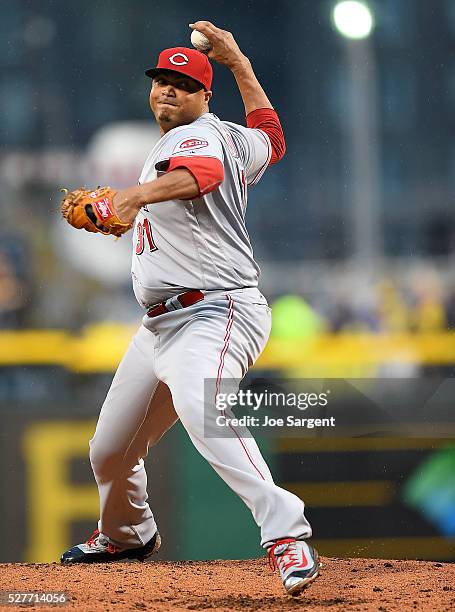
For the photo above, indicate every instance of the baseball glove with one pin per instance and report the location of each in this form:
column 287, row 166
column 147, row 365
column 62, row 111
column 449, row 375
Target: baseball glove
column 93, row 211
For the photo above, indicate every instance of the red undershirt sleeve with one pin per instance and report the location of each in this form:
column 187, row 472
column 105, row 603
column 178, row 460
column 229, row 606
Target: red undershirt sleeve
column 266, row 120
column 207, row 171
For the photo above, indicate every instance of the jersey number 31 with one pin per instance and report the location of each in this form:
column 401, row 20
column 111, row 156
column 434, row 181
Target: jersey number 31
column 144, row 232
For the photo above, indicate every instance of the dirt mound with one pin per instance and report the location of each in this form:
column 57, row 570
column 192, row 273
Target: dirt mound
column 344, row 584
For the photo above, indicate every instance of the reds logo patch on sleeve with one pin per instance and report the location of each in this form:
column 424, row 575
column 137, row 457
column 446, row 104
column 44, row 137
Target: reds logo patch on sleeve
column 189, row 144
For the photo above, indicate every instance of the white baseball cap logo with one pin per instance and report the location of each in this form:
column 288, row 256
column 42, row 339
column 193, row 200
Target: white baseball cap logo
column 179, row 59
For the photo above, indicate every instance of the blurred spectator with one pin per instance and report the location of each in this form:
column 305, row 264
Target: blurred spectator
column 428, row 312
column 357, row 311
column 342, row 316
column 294, row 318
column 450, row 309
column 392, row 308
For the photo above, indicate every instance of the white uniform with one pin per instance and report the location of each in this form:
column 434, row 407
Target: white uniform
column 203, row 243
column 181, row 245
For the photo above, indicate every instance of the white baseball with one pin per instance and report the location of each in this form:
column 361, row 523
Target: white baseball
column 200, row 41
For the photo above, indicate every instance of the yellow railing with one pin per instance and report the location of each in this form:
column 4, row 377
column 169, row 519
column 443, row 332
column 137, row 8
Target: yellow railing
column 99, row 348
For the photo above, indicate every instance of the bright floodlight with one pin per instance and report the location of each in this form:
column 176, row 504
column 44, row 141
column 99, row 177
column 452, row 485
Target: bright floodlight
column 353, row 19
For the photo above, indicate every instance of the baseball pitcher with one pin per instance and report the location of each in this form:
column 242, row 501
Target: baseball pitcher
column 194, row 274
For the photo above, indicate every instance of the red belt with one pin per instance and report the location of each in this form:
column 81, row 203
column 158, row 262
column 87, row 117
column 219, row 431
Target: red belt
column 184, row 299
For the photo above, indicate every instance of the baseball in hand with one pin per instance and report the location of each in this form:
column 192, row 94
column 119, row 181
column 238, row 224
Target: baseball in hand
column 200, row 41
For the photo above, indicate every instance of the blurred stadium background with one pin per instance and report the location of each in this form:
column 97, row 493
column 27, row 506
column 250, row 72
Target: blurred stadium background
column 354, row 230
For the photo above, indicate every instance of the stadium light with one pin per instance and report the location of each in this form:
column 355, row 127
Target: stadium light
column 353, row 19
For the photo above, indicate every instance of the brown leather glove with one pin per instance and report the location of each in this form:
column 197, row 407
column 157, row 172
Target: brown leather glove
column 93, row 211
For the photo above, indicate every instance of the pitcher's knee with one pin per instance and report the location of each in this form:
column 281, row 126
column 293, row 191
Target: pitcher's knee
column 104, row 461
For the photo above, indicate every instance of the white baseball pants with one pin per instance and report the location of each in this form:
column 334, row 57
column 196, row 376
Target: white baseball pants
column 160, row 380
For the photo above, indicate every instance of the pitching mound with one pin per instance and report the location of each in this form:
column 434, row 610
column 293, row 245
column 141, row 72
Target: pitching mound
column 344, row 584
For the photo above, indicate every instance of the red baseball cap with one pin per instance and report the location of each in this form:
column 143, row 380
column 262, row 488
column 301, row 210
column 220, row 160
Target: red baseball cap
column 190, row 62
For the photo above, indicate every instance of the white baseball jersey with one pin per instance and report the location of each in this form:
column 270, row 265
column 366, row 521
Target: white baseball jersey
column 201, row 243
